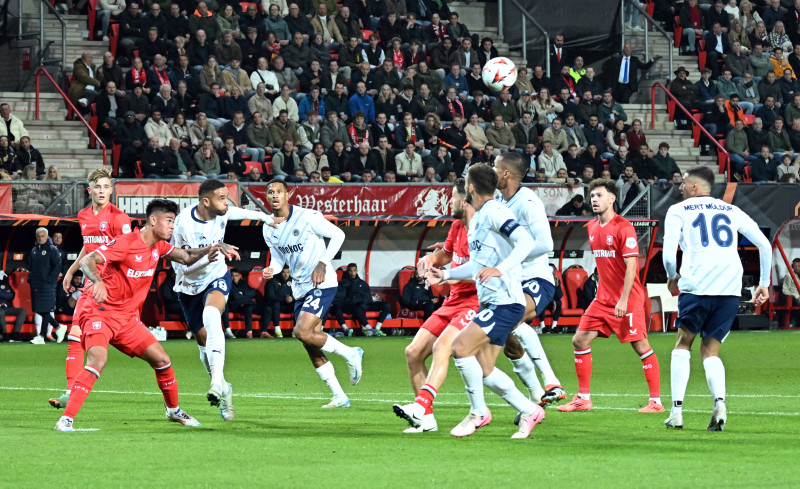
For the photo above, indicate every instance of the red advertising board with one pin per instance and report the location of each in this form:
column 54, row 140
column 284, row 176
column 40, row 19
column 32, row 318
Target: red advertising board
column 133, row 197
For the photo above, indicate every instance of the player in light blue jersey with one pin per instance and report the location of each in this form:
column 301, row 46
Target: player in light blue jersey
column 299, row 242
column 523, row 347
column 709, row 282
column 203, row 287
column 498, row 245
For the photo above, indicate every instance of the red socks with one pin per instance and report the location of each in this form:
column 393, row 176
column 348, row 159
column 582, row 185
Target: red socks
column 81, row 388
column 165, row 377
column 652, row 373
column 425, row 398
column 74, row 359
column 583, row 367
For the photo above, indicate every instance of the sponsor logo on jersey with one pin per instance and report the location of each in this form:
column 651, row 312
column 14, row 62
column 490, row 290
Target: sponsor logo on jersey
column 474, row 246
column 95, row 239
column 609, row 240
column 297, row 248
column 103, row 226
column 139, row 273
column 604, row 253
column 630, row 243
column 126, row 228
column 155, row 255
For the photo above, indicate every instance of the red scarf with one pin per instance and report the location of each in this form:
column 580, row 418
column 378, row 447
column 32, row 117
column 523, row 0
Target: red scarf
column 139, row 77
column 354, row 137
column 397, row 59
column 163, row 79
column 439, row 31
column 457, row 105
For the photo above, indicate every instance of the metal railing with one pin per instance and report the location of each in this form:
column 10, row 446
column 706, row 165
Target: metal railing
column 44, row 4
column 41, row 70
column 724, row 158
column 640, row 206
column 651, row 22
column 526, row 16
column 61, row 198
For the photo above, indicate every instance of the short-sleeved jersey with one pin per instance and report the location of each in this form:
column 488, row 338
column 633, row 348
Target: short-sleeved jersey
column 610, row 245
column 129, row 270
column 98, row 229
column 529, row 211
column 457, row 243
column 299, row 242
column 489, row 244
column 706, row 230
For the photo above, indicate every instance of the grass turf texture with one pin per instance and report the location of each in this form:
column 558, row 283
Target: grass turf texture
column 281, row 437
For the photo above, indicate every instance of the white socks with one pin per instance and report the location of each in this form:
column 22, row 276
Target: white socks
column 502, row 385
column 472, row 373
column 215, row 344
column 680, row 367
column 533, row 346
column 523, row 367
column 715, row 376
column 204, row 358
column 332, row 345
column 327, row 374
column 37, row 319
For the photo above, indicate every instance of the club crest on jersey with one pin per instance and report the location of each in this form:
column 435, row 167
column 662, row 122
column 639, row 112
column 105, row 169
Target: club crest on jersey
column 609, row 240
column 630, row 243
column 103, row 226
column 155, row 255
column 97, row 325
column 295, row 232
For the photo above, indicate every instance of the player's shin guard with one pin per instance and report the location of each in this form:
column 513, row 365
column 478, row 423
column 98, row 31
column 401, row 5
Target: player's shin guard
column 215, row 344
column 502, row 385
column 425, row 397
column 680, row 367
column 524, row 368
column 74, row 361
column 80, row 390
column 583, row 367
column 165, row 377
column 715, row 376
column 328, row 375
column 533, row 347
column 472, row 373
column 652, row 374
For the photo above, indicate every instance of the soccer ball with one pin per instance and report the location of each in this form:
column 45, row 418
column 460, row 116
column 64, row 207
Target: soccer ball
column 499, row 73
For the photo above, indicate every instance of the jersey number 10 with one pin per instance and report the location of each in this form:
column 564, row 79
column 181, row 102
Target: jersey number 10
column 720, row 229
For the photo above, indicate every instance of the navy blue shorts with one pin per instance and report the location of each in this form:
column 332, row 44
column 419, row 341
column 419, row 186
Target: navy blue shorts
column 709, row 315
column 541, row 291
column 498, row 321
column 193, row 305
column 317, row 302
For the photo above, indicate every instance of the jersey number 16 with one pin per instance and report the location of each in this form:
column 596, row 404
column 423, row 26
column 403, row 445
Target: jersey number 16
column 720, row 229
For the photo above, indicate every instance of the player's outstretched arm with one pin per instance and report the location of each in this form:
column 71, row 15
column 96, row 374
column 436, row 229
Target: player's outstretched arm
column 239, row 214
column 439, row 258
column 88, row 265
column 462, row 272
column 190, row 256
column 66, row 282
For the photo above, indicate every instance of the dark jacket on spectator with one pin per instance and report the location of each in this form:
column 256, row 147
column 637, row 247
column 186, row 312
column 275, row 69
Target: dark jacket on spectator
column 31, row 157
column 44, row 264
column 235, row 164
column 756, row 139
column 155, row 163
column 241, row 294
column 353, row 291
column 276, row 289
column 416, row 292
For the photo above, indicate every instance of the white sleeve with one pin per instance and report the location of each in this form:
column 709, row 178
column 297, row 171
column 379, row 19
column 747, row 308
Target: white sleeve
column 327, row 229
column 239, row 214
column 275, row 263
column 506, row 224
column 672, row 233
column 750, row 230
column 540, row 226
column 461, row 272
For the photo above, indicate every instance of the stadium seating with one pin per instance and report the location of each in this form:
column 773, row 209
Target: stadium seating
column 572, row 284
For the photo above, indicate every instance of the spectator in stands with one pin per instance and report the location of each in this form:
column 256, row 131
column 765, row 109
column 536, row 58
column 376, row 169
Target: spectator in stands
column 178, row 157
column 439, row 160
column 131, row 30
column 7, row 295
column 85, row 82
column 65, row 301
column 663, row 164
column 13, row 128
column 28, row 155
column 764, row 167
column 556, row 135
column 788, row 287
column 137, row 102
column 383, row 159
column 610, row 110
column 616, row 137
column 199, row 49
column 738, row 61
column 418, row 296
column 635, row 136
column 409, row 163
column 630, row 186
column 8, row 159
column 593, row 157
column 152, row 46
column 778, row 139
column 550, row 160
column 757, row 136
column 642, row 163
column 207, row 161
column 573, row 163
column 381, row 127
column 684, row 90
column 691, row 21
column 769, row 112
column 760, row 61
column 625, row 73
column 157, row 128
column 616, row 164
column 231, row 158
column 779, row 62
column 575, row 207
column 130, row 135
column 500, row 137
column 242, row 300
column 138, row 76
column 154, row 162
column 286, row 162
column 353, row 297
column 788, row 166
column 44, row 264
column 279, row 300
column 717, row 47
column 316, row 160
column 789, row 86
column 505, row 107
column 106, row 10
column 205, row 20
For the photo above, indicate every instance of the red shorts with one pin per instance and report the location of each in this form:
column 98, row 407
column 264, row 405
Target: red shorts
column 600, row 318
column 126, row 333
column 452, row 313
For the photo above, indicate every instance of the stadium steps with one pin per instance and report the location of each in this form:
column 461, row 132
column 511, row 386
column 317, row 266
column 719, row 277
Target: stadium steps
column 77, row 35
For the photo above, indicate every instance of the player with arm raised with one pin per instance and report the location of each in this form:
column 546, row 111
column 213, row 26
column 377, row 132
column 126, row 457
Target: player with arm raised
column 203, row 287
column 115, row 300
column 538, row 282
column 498, row 245
column 619, row 305
column 299, row 242
column 435, row 337
column 709, row 282
column 100, row 222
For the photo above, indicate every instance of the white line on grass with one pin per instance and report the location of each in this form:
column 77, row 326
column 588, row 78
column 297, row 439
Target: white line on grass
column 274, row 395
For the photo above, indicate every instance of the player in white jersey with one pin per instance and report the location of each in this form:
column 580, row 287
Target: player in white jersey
column 299, row 243
column 203, row 287
column 709, row 282
column 537, row 279
column 498, row 245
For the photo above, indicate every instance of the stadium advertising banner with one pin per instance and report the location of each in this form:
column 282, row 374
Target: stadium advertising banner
column 132, row 197
column 5, row 199
column 392, row 200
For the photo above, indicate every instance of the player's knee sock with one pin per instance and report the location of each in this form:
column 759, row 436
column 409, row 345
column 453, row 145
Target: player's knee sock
column 533, row 347
column 74, row 362
column 715, row 376
column 523, row 367
column 425, row 397
column 204, row 358
column 652, row 374
column 165, row 377
column 471, row 372
column 583, row 367
column 80, row 390
column 680, row 368
column 502, row 385
column 328, row 375
column 332, row 345
column 215, row 344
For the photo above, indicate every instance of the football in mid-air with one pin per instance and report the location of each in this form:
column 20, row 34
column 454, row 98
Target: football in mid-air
column 499, row 73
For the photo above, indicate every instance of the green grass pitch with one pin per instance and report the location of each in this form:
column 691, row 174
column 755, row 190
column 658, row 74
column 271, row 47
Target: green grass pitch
column 281, row 437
